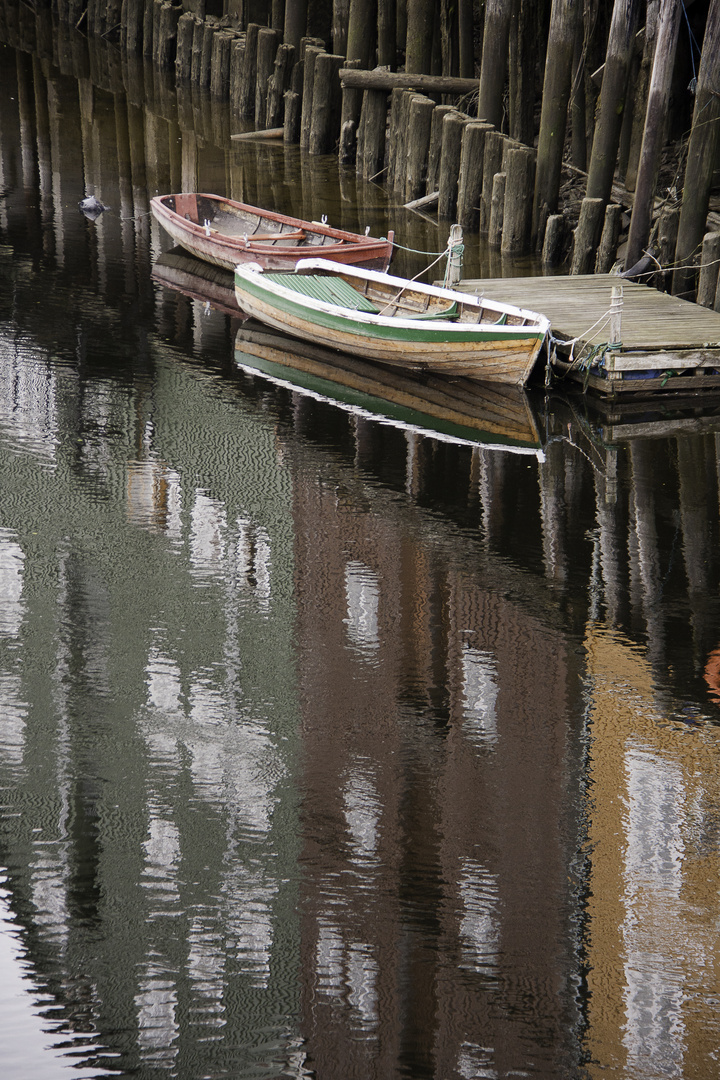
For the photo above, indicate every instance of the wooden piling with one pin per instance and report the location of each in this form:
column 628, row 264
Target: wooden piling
column 556, row 242
column 295, row 24
column 325, row 123
column 210, row 28
column 701, row 155
column 641, row 92
column 183, row 56
column 267, row 46
column 578, row 118
column 131, row 29
column 349, row 117
column 197, row 48
column 453, row 274
column 666, row 243
column 521, row 77
column 709, row 263
column 492, row 163
column 623, row 153
column 418, row 145
column 292, row 117
column 497, row 210
column 347, row 147
column 361, row 21
column 435, row 148
column 471, row 173
column 621, row 42
column 148, row 30
column 562, row 33
column 493, row 67
column 397, row 131
column 420, row 33
column 166, row 41
column 370, row 153
column 246, row 103
column 607, row 250
column 237, row 58
column 311, row 54
column 587, row 235
column 517, row 213
column 220, row 64
column 278, row 84
column 658, row 97
column 452, row 132
column 387, row 34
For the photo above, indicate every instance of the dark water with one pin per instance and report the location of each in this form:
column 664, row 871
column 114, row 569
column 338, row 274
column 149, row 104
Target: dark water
column 327, row 748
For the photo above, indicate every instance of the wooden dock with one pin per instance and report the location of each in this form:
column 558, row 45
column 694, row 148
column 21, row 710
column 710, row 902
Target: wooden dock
column 664, row 342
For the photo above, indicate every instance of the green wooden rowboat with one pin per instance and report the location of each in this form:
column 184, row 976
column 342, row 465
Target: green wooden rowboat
column 407, row 324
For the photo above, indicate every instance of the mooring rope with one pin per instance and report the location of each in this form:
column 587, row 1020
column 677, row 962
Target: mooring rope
column 416, row 251
column 442, row 254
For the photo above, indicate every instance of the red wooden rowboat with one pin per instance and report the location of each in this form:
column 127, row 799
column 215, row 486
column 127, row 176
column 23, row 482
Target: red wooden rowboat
column 228, row 233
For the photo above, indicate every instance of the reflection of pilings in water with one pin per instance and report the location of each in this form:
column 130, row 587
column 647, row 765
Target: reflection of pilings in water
column 125, row 209
column 611, row 467
column 91, row 125
column 610, row 542
column 26, row 111
column 157, row 153
column 67, row 166
column 140, row 200
column 136, row 140
column 697, row 490
column 412, row 464
column 291, row 158
column 473, row 495
column 647, row 569
column 490, row 474
column 363, row 430
column 7, row 160
column 42, row 126
column 189, row 165
column 551, row 478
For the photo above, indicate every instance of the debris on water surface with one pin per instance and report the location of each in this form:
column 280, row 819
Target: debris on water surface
column 91, row 207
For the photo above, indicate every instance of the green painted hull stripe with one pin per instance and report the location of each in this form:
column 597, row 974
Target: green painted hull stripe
column 427, row 334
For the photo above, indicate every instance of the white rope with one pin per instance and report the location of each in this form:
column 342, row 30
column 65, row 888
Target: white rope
column 399, row 294
column 604, row 319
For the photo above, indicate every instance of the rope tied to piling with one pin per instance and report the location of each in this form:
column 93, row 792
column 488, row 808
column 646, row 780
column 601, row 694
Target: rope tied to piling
column 417, row 251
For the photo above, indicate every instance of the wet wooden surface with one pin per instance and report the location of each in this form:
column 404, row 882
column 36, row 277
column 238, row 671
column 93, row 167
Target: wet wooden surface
column 651, row 320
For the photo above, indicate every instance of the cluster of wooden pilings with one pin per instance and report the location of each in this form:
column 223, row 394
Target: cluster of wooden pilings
column 565, row 92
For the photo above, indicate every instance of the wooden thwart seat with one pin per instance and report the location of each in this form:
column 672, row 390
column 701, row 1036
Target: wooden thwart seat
column 448, row 313
column 275, row 237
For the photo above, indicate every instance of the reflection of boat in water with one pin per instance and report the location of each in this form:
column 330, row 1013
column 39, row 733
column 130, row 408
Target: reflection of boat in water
column 458, row 410
column 197, row 280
